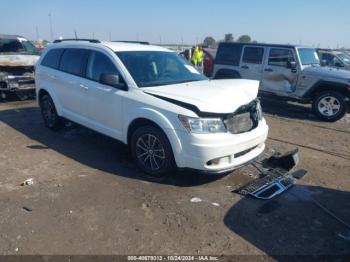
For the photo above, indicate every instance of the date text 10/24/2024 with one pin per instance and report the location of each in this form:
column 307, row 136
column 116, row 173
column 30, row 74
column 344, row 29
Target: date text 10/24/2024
column 173, row 258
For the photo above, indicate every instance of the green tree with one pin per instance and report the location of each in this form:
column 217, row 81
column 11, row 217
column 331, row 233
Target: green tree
column 244, row 39
column 209, row 41
column 228, row 38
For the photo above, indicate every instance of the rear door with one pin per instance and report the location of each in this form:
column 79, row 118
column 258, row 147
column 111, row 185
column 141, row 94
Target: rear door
column 278, row 77
column 72, row 95
column 252, row 62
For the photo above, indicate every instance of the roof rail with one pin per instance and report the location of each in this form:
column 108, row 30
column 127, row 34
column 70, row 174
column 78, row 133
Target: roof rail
column 133, row 42
column 78, row 39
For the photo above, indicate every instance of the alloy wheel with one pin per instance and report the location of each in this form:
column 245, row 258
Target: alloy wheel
column 150, row 152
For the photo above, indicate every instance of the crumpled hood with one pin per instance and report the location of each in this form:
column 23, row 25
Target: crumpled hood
column 212, row 96
column 18, row 60
column 327, row 73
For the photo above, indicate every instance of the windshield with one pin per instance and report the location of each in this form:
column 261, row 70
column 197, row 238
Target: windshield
column 17, row 46
column 154, row 68
column 308, row 56
column 344, row 57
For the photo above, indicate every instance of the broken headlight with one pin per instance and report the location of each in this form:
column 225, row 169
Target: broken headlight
column 259, row 110
column 202, row 125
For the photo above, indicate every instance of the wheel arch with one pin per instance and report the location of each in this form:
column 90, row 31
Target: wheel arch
column 323, row 86
column 156, row 119
column 43, row 91
column 226, row 73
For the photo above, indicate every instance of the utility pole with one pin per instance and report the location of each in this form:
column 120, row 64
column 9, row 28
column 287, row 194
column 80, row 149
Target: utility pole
column 160, row 40
column 110, row 36
column 75, row 33
column 51, row 31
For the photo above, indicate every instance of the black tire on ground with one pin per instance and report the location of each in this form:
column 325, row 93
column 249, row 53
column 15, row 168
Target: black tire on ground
column 152, row 152
column 330, row 106
column 49, row 114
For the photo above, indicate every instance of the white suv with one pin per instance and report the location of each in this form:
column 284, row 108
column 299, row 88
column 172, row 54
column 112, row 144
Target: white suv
column 151, row 99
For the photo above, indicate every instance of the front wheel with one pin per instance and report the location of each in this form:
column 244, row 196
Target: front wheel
column 152, row 152
column 330, row 106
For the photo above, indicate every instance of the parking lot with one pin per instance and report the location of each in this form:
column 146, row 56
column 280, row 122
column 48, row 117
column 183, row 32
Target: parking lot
column 88, row 197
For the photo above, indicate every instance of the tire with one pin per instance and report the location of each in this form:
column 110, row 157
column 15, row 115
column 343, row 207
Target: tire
column 152, row 152
column 49, row 113
column 330, row 106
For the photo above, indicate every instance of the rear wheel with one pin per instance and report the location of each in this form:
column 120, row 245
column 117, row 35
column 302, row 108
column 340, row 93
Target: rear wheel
column 49, row 114
column 152, row 152
column 330, row 106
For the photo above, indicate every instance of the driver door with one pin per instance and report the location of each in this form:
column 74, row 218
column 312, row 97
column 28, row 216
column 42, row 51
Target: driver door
column 104, row 111
column 278, row 76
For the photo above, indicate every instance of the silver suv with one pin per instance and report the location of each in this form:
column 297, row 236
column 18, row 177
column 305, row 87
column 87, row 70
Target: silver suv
column 288, row 72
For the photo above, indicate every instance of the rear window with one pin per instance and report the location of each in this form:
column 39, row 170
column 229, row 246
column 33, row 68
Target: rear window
column 74, row 61
column 253, row 55
column 52, row 58
column 229, row 54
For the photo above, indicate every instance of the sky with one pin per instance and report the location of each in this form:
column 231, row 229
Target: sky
column 323, row 23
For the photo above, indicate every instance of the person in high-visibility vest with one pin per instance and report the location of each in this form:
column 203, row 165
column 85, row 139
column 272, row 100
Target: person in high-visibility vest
column 197, row 57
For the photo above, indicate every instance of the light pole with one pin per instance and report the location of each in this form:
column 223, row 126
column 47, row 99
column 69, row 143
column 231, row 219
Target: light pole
column 51, row 31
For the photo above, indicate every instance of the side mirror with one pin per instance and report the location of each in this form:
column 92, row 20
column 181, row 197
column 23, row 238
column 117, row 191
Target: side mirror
column 113, row 80
column 292, row 65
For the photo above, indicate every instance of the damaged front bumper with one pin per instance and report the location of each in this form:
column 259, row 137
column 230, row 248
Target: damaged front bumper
column 11, row 83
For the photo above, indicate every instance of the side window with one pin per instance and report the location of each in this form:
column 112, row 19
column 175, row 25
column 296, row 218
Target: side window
column 74, row 60
column 52, row 58
column 229, row 54
column 99, row 64
column 253, row 55
column 280, row 57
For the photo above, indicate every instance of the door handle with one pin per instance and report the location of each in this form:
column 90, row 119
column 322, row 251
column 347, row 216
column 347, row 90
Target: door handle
column 268, row 70
column 84, row 87
column 53, row 77
column 245, row 67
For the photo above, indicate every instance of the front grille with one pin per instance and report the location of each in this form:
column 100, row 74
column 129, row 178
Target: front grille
column 17, row 70
column 244, row 119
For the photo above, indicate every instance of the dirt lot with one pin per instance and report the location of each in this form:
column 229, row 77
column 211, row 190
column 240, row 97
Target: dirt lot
column 88, row 198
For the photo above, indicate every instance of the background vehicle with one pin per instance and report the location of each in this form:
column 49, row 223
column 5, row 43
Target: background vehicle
column 18, row 57
column 289, row 72
column 208, row 60
column 332, row 58
column 149, row 98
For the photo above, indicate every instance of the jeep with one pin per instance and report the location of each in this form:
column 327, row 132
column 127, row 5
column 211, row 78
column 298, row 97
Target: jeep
column 289, row 72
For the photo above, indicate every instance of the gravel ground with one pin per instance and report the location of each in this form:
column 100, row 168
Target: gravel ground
column 88, row 198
